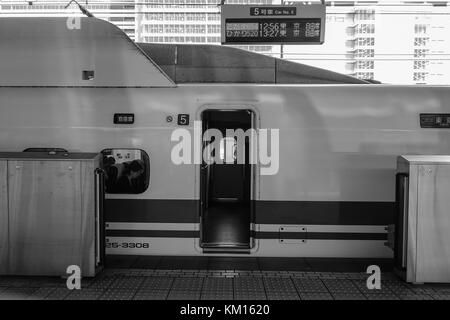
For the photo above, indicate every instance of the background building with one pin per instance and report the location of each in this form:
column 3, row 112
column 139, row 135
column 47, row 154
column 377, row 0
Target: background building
column 401, row 43
column 390, row 41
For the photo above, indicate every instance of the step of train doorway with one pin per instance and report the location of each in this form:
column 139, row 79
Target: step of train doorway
column 227, row 182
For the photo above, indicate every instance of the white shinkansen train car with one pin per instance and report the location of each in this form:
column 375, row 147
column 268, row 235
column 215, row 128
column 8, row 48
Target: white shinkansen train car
column 323, row 187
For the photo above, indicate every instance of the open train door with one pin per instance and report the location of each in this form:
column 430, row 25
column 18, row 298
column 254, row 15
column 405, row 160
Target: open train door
column 226, row 181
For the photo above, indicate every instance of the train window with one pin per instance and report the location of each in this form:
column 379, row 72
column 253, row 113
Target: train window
column 126, row 170
column 228, row 149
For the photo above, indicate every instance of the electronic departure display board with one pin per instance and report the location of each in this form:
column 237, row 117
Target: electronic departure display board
column 272, row 30
column 299, row 24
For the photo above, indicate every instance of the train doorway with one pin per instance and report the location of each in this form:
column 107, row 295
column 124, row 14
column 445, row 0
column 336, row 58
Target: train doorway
column 226, row 183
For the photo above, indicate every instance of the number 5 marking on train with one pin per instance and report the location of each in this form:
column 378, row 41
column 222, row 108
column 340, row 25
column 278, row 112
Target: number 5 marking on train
column 183, row 119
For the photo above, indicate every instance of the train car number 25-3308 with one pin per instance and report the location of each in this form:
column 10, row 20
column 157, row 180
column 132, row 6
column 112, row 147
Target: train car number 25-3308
column 127, row 245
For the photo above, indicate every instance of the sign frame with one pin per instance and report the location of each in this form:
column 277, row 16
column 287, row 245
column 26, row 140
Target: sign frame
column 302, row 13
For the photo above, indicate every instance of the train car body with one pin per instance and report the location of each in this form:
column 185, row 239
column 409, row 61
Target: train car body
column 332, row 194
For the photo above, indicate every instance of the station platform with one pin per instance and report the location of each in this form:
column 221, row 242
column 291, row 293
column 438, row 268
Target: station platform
column 221, row 278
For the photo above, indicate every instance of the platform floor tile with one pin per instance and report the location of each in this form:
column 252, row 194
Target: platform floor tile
column 217, row 295
column 85, row 294
column 401, row 291
column 415, row 297
column 183, row 295
column 102, row 282
column 157, row 283
column 421, row 289
column 381, row 296
column 58, row 294
column 282, row 295
column 41, row 293
column 310, row 285
column 126, row 282
column 348, row 296
column 355, row 275
column 345, row 286
column 118, row 294
column 249, row 284
column 250, row 295
column 442, row 290
column 440, row 296
column 315, row 296
column 187, row 284
column 13, row 293
column 37, row 282
column 151, row 294
column 283, row 285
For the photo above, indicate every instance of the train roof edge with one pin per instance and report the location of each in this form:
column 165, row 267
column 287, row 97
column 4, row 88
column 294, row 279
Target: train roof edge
column 59, row 51
column 73, row 51
column 186, row 63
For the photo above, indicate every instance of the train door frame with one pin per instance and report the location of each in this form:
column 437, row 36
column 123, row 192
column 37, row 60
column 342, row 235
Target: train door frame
column 254, row 179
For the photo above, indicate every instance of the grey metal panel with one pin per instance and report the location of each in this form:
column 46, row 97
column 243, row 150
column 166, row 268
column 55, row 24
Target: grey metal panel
column 412, row 225
column 219, row 56
column 170, row 70
column 165, row 55
column 3, row 217
column 289, row 72
column 220, row 64
column 46, row 52
column 44, row 207
column 428, row 218
column 162, row 54
column 433, row 224
column 87, row 217
column 226, row 75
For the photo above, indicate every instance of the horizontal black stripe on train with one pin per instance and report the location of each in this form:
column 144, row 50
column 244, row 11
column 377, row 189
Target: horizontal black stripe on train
column 256, row 235
column 266, row 212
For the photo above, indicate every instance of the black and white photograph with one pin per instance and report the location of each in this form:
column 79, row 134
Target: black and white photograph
column 225, row 158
